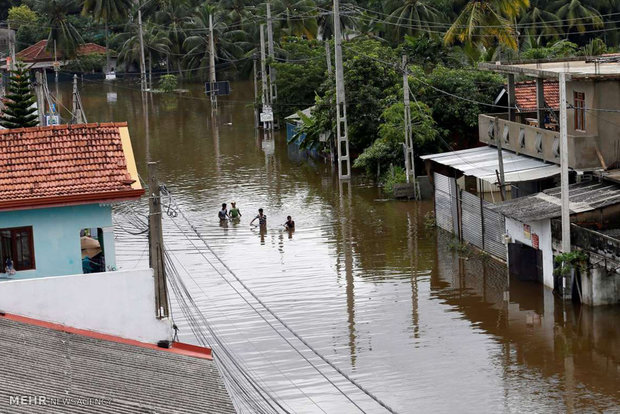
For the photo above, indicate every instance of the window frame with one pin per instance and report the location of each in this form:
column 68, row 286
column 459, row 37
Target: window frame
column 579, row 101
column 13, row 231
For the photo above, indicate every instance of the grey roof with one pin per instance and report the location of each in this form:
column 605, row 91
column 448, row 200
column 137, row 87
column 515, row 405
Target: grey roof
column 583, row 197
column 307, row 112
column 39, row 361
column 482, row 162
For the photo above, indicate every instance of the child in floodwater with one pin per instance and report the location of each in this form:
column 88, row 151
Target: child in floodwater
column 262, row 219
column 290, row 224
column 234, row 213
column 223, row 213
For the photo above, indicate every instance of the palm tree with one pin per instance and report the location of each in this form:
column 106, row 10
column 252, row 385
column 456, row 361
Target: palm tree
column 301, row 17
column 487, row 22
column 229, row 43
column 107, row 11
column 156, row 44
column 62, row 32
column 577, row 14
column 173, row 14
column 538, row 23
column 411, row 16
column 326, row 19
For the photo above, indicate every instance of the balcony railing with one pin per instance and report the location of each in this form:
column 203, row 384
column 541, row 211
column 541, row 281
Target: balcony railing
column 537, row 142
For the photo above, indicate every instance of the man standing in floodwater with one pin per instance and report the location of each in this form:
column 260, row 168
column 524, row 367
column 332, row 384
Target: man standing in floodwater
column 223, row 213
column 262, row 219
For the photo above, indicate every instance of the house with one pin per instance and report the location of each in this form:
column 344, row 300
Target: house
column 40, row 56
column 57, row 188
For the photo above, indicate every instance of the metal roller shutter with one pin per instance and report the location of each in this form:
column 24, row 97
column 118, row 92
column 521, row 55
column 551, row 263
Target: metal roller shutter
column 443, row 203
column 472, row 219
column 494, row 229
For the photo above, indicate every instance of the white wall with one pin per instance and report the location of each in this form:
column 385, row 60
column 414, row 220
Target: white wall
column 118, row 303
column 542, row 228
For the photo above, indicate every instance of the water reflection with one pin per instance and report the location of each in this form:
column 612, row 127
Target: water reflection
column 361, row 278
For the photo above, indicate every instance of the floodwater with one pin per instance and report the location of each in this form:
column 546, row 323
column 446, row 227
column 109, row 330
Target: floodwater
column 362, row 280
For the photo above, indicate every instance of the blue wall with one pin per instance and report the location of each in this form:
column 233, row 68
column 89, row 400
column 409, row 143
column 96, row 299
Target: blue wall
column 56, row 234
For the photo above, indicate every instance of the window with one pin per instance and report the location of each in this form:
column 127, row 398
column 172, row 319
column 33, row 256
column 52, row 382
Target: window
column 17, row 244
column 580, row 110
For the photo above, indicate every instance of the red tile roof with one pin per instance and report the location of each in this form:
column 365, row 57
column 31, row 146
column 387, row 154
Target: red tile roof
column 525, row 93
column 38, row 51
column 65, row 164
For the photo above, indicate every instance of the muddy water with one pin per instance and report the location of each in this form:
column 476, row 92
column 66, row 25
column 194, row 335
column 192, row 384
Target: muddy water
column 361, row 279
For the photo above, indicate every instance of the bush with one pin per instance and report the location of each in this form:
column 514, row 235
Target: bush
column 394, row 175
column 168, row 83
column 94, row 62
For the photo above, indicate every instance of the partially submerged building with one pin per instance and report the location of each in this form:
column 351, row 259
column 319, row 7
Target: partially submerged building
column 467, row 198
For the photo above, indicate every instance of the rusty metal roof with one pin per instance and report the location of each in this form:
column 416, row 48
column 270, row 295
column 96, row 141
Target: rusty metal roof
column 105, row 376
column 482, row 162
column 583, row 197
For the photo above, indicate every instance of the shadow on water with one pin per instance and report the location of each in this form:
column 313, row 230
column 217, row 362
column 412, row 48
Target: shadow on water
column 361, row 278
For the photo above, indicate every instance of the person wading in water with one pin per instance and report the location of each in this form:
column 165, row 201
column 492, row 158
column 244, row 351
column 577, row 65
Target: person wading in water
column 262, row 219
column 234, row 213
column 223, row 213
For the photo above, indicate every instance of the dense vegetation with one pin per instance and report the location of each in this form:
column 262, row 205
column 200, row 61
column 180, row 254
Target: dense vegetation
column 444, row 39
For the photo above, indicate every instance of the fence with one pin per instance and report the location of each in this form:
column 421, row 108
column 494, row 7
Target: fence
column 467, row 216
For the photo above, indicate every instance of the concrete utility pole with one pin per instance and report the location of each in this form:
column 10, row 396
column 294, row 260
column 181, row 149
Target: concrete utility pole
column 273, row 90
column 407, row 119
column 212, row 64
column 38, row 88
column 328, row 58
column 156, row 245
column 500, row 158
column 342, row 140
column 256, row 108
column 56, row 67
column 11, row 47
column 564, row 166
column 263, row 69
column 142, row 61
column 77, row 112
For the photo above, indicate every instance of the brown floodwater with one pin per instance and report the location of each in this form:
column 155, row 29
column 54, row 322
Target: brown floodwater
column 361, row 279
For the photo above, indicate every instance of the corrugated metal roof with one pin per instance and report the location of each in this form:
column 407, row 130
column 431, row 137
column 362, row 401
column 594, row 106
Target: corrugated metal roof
column 482, row 163
column 39, row 361
column 583, row 197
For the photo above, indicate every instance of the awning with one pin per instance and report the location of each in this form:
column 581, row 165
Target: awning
column 482, row 163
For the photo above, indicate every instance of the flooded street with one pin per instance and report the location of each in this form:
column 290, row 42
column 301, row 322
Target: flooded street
column 361, row 279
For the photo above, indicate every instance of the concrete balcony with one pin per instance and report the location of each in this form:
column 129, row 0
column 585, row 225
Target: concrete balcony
column 539, row 143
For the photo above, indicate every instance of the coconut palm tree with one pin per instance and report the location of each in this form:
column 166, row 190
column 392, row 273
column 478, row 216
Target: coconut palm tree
column 156, row 46
column 107, row 11
column 577, row 14
column 486, row 22
column 538, row 23
column 229, row 43
column 410, row 17
column 62, row 32
column 301, row 17
column 174, row 14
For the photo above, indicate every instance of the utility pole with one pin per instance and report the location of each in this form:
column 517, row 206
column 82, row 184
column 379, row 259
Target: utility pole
column 342, row 140
column 11, row 47
column 77, row 111
column 156, row 245
column 263, row 66
column 142, row 61
column 273, row 90
column 38, row 87
column 407, row 115
column 328, row 58
column 56, row 67
column 212, row 64
column 564, row 166
column 500, row 158
column 256, row 110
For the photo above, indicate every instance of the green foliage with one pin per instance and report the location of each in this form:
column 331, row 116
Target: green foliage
column 560, row 49
column 94, row 62
column 565, row 262
column 19, row 111
column 394, row 175
column 596, row 47
column 22, row 15
column 429, row 220
column 168, row 83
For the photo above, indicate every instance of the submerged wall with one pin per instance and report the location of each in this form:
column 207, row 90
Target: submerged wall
column 116, row 303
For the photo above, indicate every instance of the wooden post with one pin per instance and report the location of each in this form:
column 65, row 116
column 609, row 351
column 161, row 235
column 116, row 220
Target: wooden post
column 328, row 58
column 500, row 159
column 407, row 119
column 156, row 245
column 256, row 110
